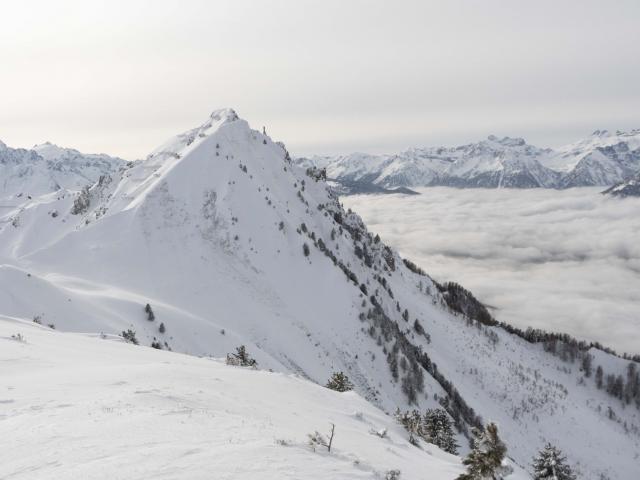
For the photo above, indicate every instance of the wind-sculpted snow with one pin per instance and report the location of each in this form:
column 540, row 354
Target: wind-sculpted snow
column 602, row 159
column 231, row 244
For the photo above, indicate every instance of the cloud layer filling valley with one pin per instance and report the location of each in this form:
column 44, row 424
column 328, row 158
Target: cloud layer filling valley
column 559, row 260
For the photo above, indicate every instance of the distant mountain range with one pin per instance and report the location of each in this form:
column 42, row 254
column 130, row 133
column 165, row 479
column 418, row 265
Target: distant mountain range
column 47, row 168
column 604, row 158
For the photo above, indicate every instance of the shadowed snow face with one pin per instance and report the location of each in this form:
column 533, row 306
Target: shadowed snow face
column 560, row 260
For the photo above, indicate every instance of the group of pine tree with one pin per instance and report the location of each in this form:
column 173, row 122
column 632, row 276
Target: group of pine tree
column 433, row 427
column 486, row 459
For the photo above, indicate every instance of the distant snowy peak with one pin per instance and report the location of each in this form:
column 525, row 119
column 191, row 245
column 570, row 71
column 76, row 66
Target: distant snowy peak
column 47, row 168
column 602, row 158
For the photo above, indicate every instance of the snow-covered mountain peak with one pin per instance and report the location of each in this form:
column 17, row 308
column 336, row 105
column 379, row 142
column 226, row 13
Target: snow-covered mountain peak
column 51, row 151
column 192, row 162
column 224, row 114
column 507, row 141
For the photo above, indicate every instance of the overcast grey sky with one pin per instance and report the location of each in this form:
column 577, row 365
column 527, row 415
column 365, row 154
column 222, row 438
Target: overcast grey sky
column 324, row 76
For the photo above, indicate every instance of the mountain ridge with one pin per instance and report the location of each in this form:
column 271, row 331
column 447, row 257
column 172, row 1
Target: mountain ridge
column 232, row 244
column 601, row 159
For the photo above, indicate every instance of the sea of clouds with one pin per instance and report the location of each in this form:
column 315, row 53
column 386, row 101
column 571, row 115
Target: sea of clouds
column 560, row 260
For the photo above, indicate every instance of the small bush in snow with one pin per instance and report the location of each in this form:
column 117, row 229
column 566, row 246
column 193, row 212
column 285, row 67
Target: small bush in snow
column 412, row 422
column 162, row 328
column 305, row 250
column 130, row 336
column 316, row 439
column 339, row 382
column 156, row 344
column 241, row 358
column 18, row 337
column 380, row 433
column 392, row 475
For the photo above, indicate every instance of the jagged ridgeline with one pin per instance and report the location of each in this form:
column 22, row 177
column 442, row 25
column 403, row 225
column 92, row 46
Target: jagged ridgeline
column 230, row 244
column 603, row 158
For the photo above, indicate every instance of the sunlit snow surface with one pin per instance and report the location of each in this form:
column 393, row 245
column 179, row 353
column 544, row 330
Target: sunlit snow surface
column 560, row 260
column 73, row 407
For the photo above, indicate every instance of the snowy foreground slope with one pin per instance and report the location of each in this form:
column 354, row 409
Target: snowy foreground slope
column 603, row 158
column 230, row 244
column 74, row 407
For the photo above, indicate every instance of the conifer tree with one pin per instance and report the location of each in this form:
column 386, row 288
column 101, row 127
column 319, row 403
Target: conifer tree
column 438, row 430
column 241, row 358
column 150, row 315
column 484, row 462
column 339, row 382
column 599, row 374
column 130, row 336
column 550, row 464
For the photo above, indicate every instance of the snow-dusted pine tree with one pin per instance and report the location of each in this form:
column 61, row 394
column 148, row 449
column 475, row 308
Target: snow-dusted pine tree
column 438, row 430
column 339, row 382
column 484, row 462
column 550, row 464
column 241, row 358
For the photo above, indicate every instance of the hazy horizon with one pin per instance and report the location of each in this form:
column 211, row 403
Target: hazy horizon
column 324, row 77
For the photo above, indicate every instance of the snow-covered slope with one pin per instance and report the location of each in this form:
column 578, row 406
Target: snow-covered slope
column 232, row 244
column 75, row 407
column 604, row 158
column 628, row 188
column 601, row 159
